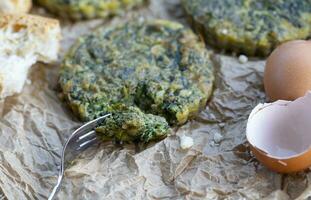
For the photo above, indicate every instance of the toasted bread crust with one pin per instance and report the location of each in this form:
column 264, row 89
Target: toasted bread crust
column 35, row 24
column 25, row 39
column 15, row 6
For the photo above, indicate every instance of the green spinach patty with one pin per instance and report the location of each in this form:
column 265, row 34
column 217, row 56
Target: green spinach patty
column 253, row 27
column 148, row 74
column 78, row 9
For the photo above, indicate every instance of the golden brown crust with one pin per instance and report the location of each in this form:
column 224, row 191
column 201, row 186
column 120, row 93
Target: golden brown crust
column 15, row 6
column 36, row 25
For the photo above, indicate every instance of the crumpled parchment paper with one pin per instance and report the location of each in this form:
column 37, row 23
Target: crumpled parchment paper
column 35, row 124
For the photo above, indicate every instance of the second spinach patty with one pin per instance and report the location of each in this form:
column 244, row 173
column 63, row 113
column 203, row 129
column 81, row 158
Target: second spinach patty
column 78, row 9
column 252, row 27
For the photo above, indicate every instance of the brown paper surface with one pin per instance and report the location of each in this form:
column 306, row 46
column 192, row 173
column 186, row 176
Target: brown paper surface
column 35, row 124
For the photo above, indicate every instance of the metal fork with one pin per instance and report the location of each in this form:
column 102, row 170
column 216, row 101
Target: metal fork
column 80, row 139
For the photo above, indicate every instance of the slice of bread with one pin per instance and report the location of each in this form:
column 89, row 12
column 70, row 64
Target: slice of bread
column 24, row 40
column 15, row 6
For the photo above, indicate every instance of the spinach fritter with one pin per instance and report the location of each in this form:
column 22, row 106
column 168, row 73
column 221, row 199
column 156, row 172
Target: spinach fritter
column 253, row 27
column 158, row 67
column 79, row 9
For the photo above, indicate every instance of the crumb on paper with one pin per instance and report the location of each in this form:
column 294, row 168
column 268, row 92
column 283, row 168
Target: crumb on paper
column 224, row 31
column 243, row 59
column 218, row 137
column 186, row 142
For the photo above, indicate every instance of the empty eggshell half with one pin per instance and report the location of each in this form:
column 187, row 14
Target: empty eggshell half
column 279, row 134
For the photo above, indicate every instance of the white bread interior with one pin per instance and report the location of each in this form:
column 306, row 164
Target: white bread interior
column 15, row 6
column 24, row 40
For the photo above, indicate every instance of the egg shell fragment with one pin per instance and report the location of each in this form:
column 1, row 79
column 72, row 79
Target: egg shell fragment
column 279, row 134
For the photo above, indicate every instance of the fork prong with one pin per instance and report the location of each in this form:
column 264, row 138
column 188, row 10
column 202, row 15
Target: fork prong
column 87, row 143
column 89, row 134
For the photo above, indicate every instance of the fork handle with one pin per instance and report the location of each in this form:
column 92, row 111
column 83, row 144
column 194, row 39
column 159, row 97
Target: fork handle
column 56, row 188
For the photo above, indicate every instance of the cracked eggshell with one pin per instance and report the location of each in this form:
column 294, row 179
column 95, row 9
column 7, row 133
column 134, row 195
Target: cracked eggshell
column 279, row 134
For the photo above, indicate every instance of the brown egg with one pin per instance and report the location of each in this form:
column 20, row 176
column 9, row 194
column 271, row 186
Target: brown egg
column 288, row 71
column 279, row 134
